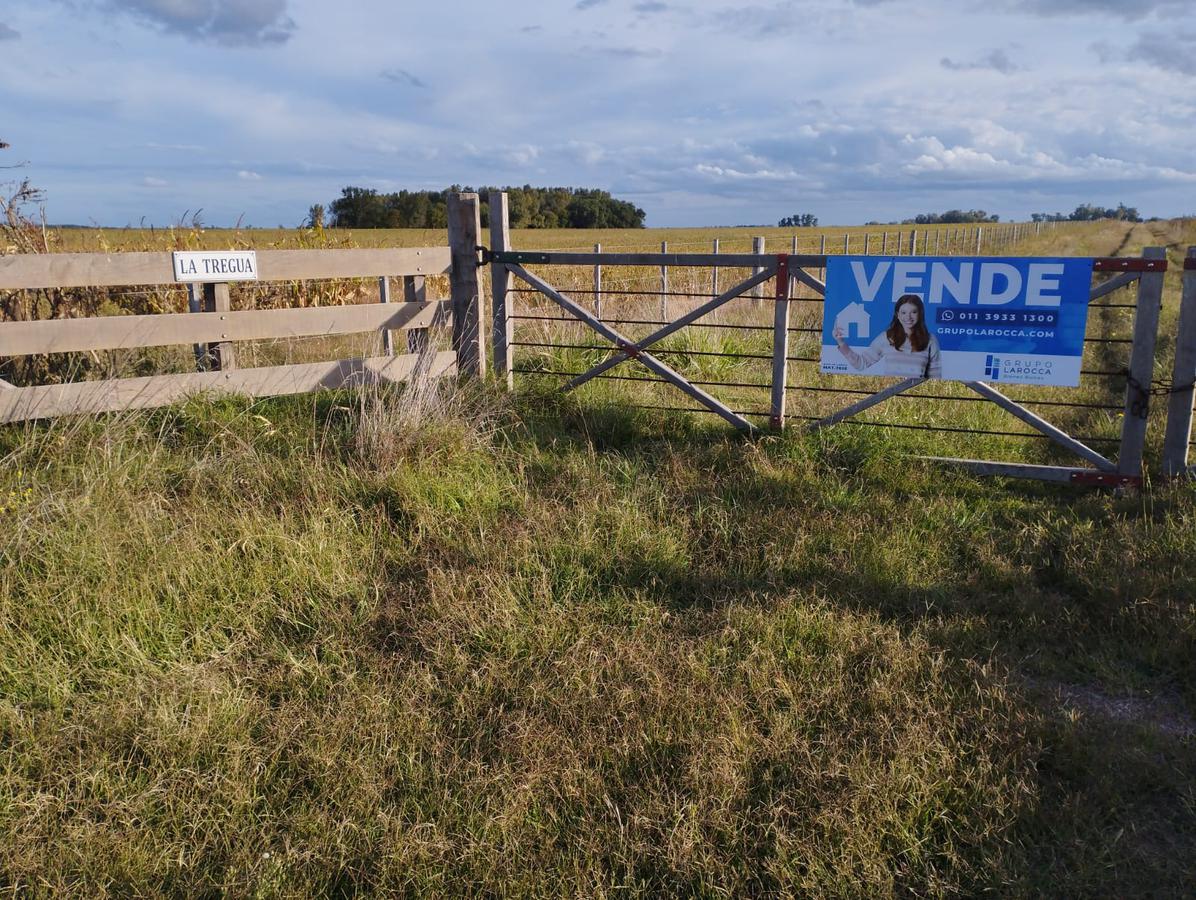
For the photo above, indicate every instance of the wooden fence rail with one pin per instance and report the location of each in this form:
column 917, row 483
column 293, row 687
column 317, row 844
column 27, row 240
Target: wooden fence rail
column 61, row 270
column 213, row 327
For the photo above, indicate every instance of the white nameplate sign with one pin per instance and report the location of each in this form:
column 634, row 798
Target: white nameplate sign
column 194, row 266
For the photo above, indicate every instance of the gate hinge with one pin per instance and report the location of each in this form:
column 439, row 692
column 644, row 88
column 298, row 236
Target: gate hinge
column 517, row 257
column 1106, row 479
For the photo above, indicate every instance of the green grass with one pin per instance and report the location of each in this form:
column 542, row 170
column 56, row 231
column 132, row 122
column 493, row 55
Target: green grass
column 546, row 645
column 551, row 647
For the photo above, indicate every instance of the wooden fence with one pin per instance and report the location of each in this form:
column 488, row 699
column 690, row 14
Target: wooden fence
column 215, row 327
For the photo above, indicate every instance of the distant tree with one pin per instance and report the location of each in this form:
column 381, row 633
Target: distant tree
column 1088, row 212
column 315, row 216
column 953, row 217
column 798, row 220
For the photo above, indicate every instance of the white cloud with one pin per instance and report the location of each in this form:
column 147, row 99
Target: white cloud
column 230, row 22
column 8, row 34
column 151, row 181
column 246, row 175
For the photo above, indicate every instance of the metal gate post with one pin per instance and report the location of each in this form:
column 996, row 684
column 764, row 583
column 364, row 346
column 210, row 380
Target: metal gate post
column 503, row 326
column 1183, row 376
column 1141, row 368
column 780, row 343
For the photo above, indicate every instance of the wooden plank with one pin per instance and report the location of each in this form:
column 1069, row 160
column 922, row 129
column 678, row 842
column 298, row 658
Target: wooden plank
column 465, row 226
column 121, row 332
column 1141, row 368
column 1034, row 421
column 51, row 270
column 1183, row 374
column 645, row 358
column 503, row 326
column 46, row 401
column 867, row 403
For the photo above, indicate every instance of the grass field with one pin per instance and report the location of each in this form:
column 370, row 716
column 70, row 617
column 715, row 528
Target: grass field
column 463, row 643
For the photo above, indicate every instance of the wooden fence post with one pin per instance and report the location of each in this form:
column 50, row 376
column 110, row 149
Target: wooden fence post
column 195, row 304
column 867, row 243
column 464, row 227
column 415, row 291
column 978, row 231
column 822, row 253
column 388, row 338
column 1183, row 376
column 846, row 244
column 220, row 355
column 1141, row 369
column 884, row 243
column 597, row 285
column 913, row 242
column 502, row 325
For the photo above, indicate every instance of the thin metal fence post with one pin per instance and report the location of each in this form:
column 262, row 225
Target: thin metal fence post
column 1183, row 377
column 714, row 273
column 664, row 285
column 758, row 250
column 780, row 344
column 1141, row 368
column 502, row 334
column 597, row 285
column 794, row 250
column 464, row 227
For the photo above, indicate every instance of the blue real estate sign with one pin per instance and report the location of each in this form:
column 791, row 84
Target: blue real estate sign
column 993, row 319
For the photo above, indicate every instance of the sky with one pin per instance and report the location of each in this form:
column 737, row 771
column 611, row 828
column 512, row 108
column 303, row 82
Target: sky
column 706, row 113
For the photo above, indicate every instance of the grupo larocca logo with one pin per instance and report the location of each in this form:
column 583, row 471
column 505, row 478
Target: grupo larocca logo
column 1020, row 368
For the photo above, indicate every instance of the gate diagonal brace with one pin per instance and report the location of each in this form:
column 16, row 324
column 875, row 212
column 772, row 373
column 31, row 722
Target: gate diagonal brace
column 619, row 340
column 674, row 326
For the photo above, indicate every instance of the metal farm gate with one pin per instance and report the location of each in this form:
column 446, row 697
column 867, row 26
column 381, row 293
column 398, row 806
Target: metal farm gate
column 1117, row 366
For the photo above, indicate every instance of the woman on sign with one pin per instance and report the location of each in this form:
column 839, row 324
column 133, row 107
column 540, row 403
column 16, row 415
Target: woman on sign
column 905, row 348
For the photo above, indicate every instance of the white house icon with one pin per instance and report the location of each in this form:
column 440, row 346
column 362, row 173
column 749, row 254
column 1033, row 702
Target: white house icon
column 855, row 314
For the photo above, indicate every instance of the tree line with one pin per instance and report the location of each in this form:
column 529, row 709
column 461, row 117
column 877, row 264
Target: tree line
column 1091, row 212
column 527, row 206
